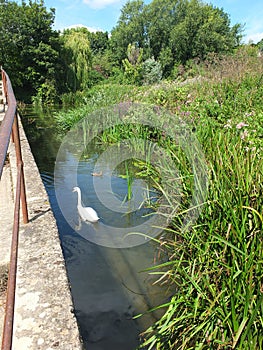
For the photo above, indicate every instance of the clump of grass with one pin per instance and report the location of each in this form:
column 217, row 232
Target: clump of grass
column 217, row 265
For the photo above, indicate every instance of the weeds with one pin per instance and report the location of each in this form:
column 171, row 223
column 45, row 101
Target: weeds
column 217, row 266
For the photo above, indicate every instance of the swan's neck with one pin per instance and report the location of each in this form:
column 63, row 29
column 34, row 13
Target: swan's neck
column 79, row 196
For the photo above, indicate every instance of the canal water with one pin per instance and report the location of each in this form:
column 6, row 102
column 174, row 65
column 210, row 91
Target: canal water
column 109, row 285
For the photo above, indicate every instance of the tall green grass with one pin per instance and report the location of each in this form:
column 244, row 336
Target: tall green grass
column 217, row 265
column 98, row 97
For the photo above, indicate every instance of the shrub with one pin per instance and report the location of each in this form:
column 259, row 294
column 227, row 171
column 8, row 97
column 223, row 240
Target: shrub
column 151, row 71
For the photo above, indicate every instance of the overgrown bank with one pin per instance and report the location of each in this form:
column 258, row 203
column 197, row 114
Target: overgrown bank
column 217, row 265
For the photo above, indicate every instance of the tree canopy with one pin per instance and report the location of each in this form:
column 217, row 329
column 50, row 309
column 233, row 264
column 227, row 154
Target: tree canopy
column 166, row 33
column 129, row 30
column 28, row 45
column 174, row 30
column 77, row 57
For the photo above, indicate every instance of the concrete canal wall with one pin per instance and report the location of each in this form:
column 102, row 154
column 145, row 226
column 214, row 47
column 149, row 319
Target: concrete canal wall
column 44, row 316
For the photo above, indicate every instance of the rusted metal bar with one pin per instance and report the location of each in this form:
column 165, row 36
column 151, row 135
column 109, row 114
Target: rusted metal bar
column 20, row 161
column 5, row 132
column 11, row 284
column 7, row 123
column 10, row 126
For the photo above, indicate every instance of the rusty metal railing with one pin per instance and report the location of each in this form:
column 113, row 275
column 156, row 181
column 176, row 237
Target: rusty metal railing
column 9, row 127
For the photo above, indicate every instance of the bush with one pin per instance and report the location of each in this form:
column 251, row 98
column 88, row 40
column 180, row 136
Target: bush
column 151, row 71
column 46, row 94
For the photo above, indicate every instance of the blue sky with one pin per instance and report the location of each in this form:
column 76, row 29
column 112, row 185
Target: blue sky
column 104, row 14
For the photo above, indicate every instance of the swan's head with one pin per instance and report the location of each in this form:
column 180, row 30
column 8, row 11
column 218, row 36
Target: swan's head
column 75, row 189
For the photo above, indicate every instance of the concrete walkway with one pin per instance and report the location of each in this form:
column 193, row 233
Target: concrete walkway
column 44, row 315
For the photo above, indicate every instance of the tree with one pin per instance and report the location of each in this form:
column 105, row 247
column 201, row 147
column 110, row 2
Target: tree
column 202, row 30
column 99, row 42
column 28, row 45
column 129, row 30
column 161, row 17
column 260, row 45
column 77, row 57
column 174, row 31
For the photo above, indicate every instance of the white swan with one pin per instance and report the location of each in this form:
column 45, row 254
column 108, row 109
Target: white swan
column 86, row 213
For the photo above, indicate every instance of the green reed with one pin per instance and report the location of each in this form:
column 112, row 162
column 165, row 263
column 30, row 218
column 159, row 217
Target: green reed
column 217, row 265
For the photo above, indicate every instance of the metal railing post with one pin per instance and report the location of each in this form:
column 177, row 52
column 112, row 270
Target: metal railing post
column 11, row 286
column 20, row 162
column 9, row 128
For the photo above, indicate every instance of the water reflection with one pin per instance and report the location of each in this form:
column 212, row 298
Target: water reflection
column 108, row 285
column 114, row 227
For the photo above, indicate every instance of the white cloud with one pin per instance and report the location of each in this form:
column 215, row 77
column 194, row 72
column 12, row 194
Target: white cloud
column 99, row 4
column 254, row 37
column 253, row 25
column 254, row 31
column 90, row 29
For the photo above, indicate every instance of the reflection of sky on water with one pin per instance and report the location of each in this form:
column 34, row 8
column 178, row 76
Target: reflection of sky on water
column 120, row 227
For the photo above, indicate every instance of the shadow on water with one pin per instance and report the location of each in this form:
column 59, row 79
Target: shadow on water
column 108, row 285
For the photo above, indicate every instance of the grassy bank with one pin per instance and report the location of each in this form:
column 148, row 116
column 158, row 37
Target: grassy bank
column 217, row 264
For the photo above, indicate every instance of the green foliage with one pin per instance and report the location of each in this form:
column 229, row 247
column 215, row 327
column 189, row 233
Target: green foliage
column 260, row 45
column 46, row 94
column 166, row 60
column 28, row 45
column 99, row 42
column 161, row 19
column 129, row 30
column 174, row 31
column 168, row 95
column 217, row 266
column 100, row 96
column 171, row 32
column 151, row 71
column 133, row 64
column 203, row 29
column 77, row 57
column 103, row 67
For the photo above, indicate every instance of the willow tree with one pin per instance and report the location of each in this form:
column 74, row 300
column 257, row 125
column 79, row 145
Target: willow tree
column 77, row 57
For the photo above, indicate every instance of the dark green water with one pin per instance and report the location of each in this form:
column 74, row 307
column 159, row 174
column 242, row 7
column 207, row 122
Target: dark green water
column 108, row 285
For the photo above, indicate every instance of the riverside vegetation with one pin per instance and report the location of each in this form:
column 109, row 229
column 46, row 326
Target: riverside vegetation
column 217, row 265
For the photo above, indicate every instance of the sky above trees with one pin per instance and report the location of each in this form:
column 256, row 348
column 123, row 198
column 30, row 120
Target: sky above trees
column 104, row 14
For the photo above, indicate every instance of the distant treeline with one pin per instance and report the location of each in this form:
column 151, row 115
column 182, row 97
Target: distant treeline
column 149, row 43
